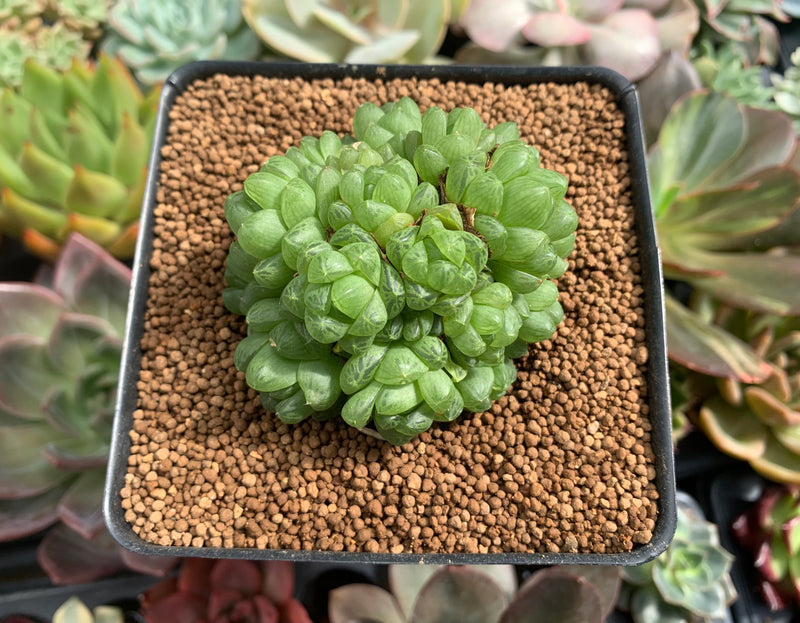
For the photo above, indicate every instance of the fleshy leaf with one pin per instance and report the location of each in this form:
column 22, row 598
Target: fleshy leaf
column 458, row 592
column 28, row 308
column 555, row 595
column 733, row 430
column 29, row 515
column 81, row 508
column 68, row 558
column 363, row 602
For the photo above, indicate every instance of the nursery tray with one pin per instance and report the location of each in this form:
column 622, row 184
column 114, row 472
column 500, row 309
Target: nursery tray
column 147, row 423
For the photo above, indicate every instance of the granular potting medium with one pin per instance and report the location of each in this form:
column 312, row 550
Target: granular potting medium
column 562, row 463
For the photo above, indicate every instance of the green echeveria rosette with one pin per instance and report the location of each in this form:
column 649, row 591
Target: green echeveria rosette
column 155, row 37
column 392, row 277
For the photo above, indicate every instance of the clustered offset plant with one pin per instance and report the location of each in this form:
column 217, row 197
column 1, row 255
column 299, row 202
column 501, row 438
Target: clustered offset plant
column 155, row 37
column 75, row 611
column 431, row 594
column 393, row 278
column 771, row 531
column 361, row 31
column 74, row 148
column 60, row 344
column 225, row 591
column 49, row 32
column 689, row 582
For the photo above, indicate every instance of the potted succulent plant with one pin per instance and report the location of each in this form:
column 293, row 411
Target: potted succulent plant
column 202, row 468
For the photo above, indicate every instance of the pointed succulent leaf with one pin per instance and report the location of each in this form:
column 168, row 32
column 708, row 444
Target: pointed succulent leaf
column 20, row 517
column 363, row 602
column 467, row 591
column 81, row 507
column 68, row 558
column 28, row 308
column 557, row 595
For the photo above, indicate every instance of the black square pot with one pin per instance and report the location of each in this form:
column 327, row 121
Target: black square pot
column 655, row 377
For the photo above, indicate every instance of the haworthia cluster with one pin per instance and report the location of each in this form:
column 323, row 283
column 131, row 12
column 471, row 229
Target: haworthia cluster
column 391, row 277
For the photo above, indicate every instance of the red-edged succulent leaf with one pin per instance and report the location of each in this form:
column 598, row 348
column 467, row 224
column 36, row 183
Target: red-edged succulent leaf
column 459, row 593
column 25, row 376
column 294, row 612
column 174, row 608
column 606, row 579
column 626, row 41
column 68, row 558
column 363, row 602
column 77, row 453
column 19, row 518
column 92, row 281
column 24, row 470
column 81, row 508
column 733, row 430
column 28, row 308
column 157, row 566
column 73, row 341
column 678, row 22
column 770, row 409
column 243, row 576
column 195, row 576
column 703, row 347
column 555, row 595
column 278, row 580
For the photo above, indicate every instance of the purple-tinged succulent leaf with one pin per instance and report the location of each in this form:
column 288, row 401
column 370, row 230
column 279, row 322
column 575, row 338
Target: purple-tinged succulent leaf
column 555, row 595
column 28, row 308
column 733, row 431
column 24, row 471
column 157, row 566
column 68, row 558
column 677, row 25
column 81, row 508
column 77, row 453
column 626, row 42
column 555, row 29
column 24, row 376
column 494, row 25
column 700, row 346
column 363, row 602
column 606, row 579
column 459, row 593
column 73, row 341
column 672, row 77
column 29, row 515
column 278, row 580
column 406, row 581
column 61, row 413
column 92, row 281
column 753, row 281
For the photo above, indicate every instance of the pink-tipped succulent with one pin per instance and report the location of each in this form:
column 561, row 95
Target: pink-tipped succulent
column 431, row 594
column 627, row 36
column 226, row 591
column 60, row 344
column 771, row 531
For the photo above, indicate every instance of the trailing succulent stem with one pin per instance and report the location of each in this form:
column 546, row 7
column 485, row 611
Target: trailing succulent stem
column 392, row 277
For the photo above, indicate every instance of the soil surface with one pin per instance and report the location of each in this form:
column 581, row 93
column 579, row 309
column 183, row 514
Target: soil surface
column 562, row 463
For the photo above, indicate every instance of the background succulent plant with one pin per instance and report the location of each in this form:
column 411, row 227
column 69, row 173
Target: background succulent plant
column 689, row 582
column 155, row 37
column 430, row 594
column 364, row 31
column 74, row 148
column 571, row 33
column 223, row 591
column 770, row 530
column 75, row 611
column 392, row 279
column 60, row 344
column 721, row 175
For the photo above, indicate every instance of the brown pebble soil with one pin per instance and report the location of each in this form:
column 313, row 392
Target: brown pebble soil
column 562, row 463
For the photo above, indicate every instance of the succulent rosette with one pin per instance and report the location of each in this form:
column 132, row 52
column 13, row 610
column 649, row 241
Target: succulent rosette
column 392, row 276
column 74, row 148
column 155, row 37
column 771, row 531
column 60, row 350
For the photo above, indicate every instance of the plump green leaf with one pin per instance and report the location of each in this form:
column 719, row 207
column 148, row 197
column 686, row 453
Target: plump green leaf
column 366, row 261
column 400, row 366
column 328, row 266
column 476, row 387
column 261, row 233
column 238, row 206
column 268, row 371
column 317, row 298
column 357, row 411
column 301, row 234
column 350, row 294
column 264, row 189
column 511, row 160
column 372, row 318
column 391, row 290
column 394, row 400
column 437, row 390
column 541, row 325
column 485, row 194
column 359, row 370
column 319, row 381
column 296, row 202
column 273, row 272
